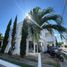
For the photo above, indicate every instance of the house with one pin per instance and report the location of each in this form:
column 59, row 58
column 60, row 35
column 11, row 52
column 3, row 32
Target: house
column 31, row 48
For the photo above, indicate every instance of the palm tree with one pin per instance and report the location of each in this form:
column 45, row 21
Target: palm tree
column 42, row 17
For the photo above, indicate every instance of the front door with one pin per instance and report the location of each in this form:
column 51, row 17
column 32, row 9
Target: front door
column 31, row 47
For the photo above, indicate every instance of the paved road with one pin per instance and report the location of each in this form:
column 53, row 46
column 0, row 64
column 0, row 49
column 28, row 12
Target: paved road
column 64, row 64
column 2, row 65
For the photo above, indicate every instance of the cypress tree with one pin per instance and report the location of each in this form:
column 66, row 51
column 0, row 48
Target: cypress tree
column 5, row 39
column 23, row 39
column 13, row 33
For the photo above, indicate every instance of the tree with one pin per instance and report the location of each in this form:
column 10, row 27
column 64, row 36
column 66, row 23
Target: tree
column 58, row 43
column 14, row 34
column 1, row 36
column 42, row 17
column 24, row 34
column 5, row 39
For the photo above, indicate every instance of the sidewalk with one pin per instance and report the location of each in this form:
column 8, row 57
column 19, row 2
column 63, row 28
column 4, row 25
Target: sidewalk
column 2, row 65
column 7, row 64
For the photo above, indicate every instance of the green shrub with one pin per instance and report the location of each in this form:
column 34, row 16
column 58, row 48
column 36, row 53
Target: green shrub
column 65, row 46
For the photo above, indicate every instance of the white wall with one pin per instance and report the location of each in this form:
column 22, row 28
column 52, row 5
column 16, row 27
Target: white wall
column 47, row 37
column 18, row 39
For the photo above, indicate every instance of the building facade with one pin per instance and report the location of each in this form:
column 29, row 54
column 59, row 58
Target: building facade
column 45, row 39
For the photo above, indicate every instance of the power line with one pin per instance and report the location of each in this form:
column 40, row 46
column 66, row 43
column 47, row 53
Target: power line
column 65, row 4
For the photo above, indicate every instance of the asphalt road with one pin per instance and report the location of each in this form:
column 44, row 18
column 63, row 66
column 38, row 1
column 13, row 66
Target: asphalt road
column 64, row 64
column 2, row 65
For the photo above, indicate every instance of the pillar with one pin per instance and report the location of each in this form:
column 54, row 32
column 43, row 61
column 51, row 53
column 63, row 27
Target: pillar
column 54, row 41
column 34, row 47
column 27, row 46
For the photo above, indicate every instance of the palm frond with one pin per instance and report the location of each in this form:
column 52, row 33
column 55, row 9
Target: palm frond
column 41, row 17
column 59, row 28
column 55, row 17
column 37, row 13
column 46, row 11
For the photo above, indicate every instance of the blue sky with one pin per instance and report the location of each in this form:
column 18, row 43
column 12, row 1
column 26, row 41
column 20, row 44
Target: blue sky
column 11, row 8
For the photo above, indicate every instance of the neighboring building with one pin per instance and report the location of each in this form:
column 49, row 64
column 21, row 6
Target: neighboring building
column 45, row 39
column 1, row 43
column 65, row 42
column 1, row 40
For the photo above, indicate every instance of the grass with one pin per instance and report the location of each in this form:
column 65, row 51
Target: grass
column 22, row 65
column 11, row 59
column 15, row 62
column 53, row 64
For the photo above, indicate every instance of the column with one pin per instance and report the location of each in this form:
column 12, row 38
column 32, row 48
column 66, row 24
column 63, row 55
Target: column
column 34, row 47
column 27, row 46
column 54, row 41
